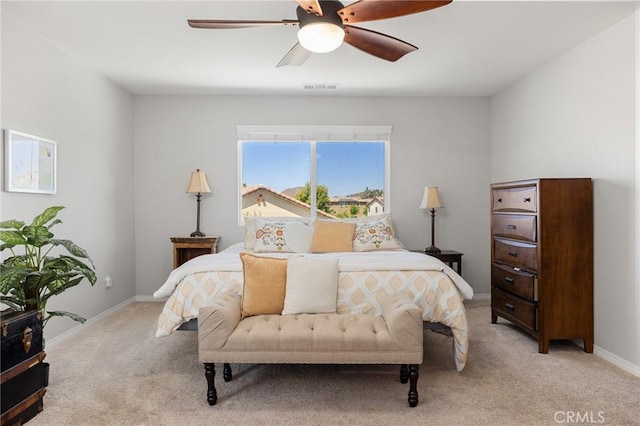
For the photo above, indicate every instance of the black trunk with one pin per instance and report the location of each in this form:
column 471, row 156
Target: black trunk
column 23, row 376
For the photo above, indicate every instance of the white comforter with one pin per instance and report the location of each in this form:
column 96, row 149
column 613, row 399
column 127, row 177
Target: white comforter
column 228, row 260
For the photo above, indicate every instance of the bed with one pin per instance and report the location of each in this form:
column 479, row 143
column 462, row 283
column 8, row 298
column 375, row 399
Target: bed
column 366, row 278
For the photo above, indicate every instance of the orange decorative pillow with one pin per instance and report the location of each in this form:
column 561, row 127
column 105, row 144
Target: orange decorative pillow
column 332, row 236
column 265, row 281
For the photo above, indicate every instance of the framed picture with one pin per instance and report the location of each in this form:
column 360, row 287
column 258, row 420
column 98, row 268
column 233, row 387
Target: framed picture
column 30, row 163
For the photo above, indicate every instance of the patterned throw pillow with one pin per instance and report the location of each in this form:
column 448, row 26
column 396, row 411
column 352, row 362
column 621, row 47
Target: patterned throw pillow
column 282, row 237
column 250, row 226
column 377, row 235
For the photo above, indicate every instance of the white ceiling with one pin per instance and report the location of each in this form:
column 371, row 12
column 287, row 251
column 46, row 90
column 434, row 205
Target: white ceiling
column 468, row 48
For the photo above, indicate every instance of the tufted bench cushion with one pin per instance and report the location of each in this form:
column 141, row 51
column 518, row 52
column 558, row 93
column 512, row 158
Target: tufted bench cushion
column 395, row 337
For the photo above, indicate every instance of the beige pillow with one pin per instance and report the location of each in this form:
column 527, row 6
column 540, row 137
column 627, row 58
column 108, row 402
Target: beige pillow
column 265, row 280
column 312, row 286
column 332, row 236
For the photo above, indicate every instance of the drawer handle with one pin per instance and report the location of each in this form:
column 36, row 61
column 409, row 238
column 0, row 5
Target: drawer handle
column 526, row 200
column 499, row 200
column 513, row 253
column 26, row 339
column 509, row 306
column 508, row 280
column 511, row 227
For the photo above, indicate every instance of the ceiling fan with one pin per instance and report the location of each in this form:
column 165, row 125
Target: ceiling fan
column 325, row 24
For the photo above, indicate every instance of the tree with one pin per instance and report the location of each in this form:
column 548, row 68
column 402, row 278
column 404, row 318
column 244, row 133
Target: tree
column 354, row 210
column 322, row 197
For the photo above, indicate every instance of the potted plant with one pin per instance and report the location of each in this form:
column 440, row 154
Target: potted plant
column 32, row 274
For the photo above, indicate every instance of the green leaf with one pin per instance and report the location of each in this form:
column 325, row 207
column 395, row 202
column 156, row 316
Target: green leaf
column 12, row 238
column 12, row 278
column 61, row 286
column 72, row 248
column 20, row 261
column 55, row 222
column 38, row 280
column 46, row 216
column 67, row 314
column 12, row 303
column 11, row 224
column 37, row 236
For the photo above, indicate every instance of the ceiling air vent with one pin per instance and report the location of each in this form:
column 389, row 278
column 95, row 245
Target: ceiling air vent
column 320, row 86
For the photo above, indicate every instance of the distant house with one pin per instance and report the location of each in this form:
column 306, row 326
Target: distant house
column 342, row 205
column 375, row 206
column 262, row 201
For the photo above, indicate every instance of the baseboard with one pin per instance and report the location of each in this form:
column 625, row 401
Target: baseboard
column 150, row 299
column 602, row 353
column 51, row 343
column 482, row 296
column 617, row 361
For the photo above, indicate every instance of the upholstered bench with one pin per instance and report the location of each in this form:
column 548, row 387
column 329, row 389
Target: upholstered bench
column 395, row 337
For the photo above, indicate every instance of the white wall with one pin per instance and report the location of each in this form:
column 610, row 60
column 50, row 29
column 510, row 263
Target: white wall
column 577, row 117
column 48, row 93
column 443, row 142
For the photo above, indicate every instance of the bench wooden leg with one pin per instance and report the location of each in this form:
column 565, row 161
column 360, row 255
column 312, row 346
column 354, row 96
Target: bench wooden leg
column 404, row 373
column 413, row 385
column 227, row 375
column 407, row 373
column 210, row 374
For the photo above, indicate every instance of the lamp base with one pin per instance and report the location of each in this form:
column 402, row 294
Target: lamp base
column 432, row 249
column 197, row 234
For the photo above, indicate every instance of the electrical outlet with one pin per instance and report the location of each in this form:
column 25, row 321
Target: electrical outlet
column 108, row 282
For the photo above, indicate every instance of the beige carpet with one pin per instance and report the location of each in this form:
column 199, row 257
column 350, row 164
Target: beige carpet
column 116, row 372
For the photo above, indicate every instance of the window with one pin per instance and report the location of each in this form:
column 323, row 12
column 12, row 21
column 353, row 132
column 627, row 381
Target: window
column 313, row 171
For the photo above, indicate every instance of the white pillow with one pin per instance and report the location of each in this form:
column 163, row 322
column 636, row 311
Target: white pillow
column 312, row 286
column 376, row 235
column 282, row 237
column 250, row 226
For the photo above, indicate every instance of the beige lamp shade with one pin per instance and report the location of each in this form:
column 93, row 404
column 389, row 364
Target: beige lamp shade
column 431, row 198
column 198, row 183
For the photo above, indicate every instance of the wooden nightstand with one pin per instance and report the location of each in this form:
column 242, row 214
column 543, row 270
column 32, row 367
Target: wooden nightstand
column 185, row 248
column 447, row 256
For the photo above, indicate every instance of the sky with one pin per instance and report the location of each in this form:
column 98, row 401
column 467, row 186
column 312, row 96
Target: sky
column 344, row 167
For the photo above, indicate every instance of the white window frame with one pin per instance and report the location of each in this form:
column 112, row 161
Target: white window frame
column 314, row 134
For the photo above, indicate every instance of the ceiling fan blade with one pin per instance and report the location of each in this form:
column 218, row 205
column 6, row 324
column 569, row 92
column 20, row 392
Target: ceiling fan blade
column 311, row 6
column 371, row 10
column 377, row 44
column 295, row 57
column 224, row 24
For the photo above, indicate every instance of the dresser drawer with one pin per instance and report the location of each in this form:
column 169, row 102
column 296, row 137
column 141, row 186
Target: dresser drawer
column 514, row 309
column 521, row 199
column 519, row 283
column 515, row 253
column 514, row 226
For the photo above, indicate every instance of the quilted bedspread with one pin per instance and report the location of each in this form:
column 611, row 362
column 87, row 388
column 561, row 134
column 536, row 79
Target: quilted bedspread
column 365, row 280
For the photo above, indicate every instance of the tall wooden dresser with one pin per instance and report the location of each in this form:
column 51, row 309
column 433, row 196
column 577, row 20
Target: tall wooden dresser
column 542, row 258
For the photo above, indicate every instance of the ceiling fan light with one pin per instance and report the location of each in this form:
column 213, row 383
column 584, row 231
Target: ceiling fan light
column 321, row 37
